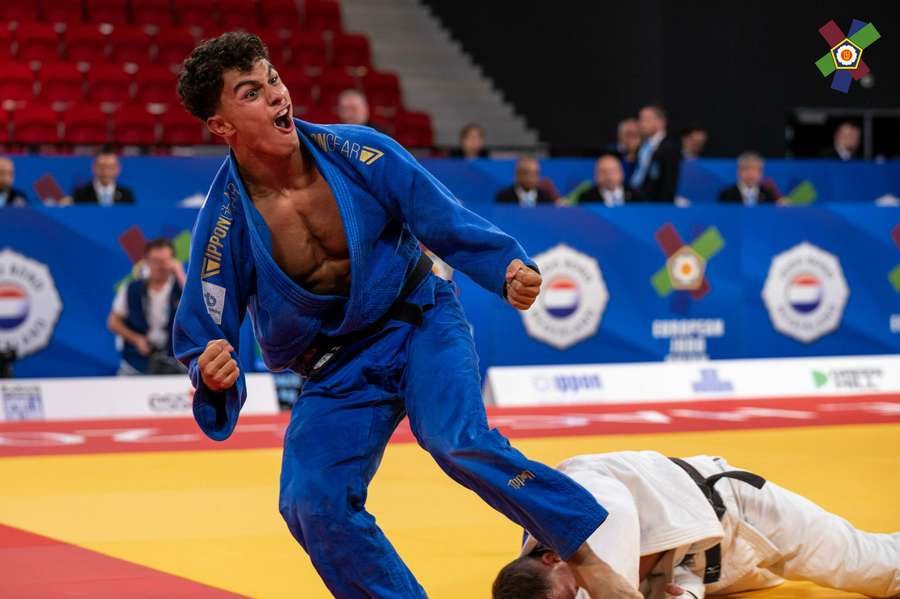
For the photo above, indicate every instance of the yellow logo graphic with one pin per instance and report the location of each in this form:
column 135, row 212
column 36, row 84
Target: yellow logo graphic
column 210, row 267
column 368, row 155
column 519, row 481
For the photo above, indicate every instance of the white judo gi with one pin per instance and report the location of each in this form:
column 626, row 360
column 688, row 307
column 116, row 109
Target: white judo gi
column 766, row 535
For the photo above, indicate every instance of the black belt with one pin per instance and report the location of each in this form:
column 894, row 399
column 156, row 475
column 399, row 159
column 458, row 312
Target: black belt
column 324, row 348
column 714, row 554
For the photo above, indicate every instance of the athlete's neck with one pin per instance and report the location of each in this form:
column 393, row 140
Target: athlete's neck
column 266, row 175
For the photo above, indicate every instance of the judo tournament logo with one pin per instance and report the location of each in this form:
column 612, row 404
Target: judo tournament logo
column 572, row 299
column 29, row 304
column 845, row 57
column 805, row 292
column 685, row 267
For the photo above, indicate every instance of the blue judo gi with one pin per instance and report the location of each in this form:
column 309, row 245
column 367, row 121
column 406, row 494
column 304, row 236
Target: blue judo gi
column 345, row 414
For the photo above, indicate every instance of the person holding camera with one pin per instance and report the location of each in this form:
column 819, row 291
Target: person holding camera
column 143, row 311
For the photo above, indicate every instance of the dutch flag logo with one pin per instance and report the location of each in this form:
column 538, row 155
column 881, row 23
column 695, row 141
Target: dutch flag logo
column 14, row 306
column 805, row 293
column 561, row 297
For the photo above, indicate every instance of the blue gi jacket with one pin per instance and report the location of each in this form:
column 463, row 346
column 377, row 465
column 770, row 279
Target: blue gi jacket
column 387, row 202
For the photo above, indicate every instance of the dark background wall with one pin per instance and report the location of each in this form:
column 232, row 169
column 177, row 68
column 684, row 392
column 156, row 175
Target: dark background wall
column 574, row 69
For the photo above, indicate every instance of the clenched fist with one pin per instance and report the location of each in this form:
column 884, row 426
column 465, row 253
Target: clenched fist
column 217, row 368
column 522, row 285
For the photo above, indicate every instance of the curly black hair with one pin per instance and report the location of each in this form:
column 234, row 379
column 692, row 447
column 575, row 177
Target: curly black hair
column 200, row 78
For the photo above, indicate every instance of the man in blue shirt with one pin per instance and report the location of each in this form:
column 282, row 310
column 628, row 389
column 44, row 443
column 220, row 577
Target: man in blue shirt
column 315, row 232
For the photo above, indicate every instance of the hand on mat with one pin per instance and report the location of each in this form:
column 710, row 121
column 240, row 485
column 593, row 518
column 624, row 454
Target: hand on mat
column 217, row 368
column 522, row 285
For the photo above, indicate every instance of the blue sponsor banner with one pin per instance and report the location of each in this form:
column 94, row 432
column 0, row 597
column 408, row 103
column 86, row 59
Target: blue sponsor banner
column 170, row 180
column 636, row 284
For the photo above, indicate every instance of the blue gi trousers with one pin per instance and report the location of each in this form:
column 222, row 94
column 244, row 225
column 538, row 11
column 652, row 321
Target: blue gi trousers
column 343, row 420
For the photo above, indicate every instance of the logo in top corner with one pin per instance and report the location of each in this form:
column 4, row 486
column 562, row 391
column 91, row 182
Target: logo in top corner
column 572, row 300
column 844, row 59
column 368, row 155
column 29, row 304
column 805, row 292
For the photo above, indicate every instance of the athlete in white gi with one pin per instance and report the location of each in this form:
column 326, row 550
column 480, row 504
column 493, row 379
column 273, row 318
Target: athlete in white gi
column 662, row 530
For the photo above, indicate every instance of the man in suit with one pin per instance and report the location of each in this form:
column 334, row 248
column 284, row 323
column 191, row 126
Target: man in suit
column 104, row 190
column 609, row 185
column 9, row 195
column 693, row 140
column 846, row 142
column 628, row 142
column 659, row 158
column 526, row 190
column 748, row 190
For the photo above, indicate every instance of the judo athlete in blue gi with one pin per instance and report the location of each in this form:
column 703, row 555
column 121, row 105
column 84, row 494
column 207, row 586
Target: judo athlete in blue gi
column 314, row 231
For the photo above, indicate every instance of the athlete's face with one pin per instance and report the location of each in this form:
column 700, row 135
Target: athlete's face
column 255, row 111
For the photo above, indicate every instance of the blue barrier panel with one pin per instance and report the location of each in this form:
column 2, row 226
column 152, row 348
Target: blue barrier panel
column 169, row 180
column 829, row 291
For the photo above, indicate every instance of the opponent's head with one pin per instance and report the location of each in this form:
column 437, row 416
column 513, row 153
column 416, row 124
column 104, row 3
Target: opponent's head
column 539, row 575
column 229, row 83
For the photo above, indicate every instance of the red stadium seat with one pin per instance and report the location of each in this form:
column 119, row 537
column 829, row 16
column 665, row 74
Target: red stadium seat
column 108, row 83
column 17, row 82
column 130, row 44
column 19, row 11
column 308, row 51
column 114, row 12
column 36, row 123
column 156, row 84
column 152, row 12
column 133, row 125
column 323, row 116
column 302, row 89
column 4, row 126
column 5, row 45
column 61, row 82
column 238, row 14
column 84, row 43
column 414, row 130
column 279, row 46
column 181, row 129
column 322, row 15
column 37, row 41
column 331, row 84
column 280, row 14
column 198, row 13
column 383, row 92
column 85, row 124
column 173, row 45
column 63, row 11
column 350, row 50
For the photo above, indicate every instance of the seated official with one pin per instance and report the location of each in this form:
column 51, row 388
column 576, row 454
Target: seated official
column 144, row 310
column 9, row 195
column 609, row 189
column 526, row 191
column 846, row 142
column 748, row 190
column 104, row 189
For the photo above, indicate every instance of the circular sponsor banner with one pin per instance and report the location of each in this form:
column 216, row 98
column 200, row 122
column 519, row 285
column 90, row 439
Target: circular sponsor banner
column 572, row 299
column 805, row 292
column 29, row 304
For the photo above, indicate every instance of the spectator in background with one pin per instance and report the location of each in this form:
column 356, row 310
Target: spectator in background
column 526, row 191
column 749, row 189
column 353, row 109
column 609, row 186
column 104, row 189
column 628, row 141
column 847, row 138
column 144, row 309
column 9, row 195
column 693, row 140
column 658, row 159
column 471, row 143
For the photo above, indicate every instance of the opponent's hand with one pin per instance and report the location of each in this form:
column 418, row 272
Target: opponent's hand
column 598, row 578
column 522, row 285
column 218, row 369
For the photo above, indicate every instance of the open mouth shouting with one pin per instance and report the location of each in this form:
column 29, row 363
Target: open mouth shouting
column 282, row 120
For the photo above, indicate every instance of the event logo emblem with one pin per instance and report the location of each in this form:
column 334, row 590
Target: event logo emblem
column 572, row 299
column 845, row 57
column 805, row 292
column 29, row 304
column 894, row 275
column 685, row 268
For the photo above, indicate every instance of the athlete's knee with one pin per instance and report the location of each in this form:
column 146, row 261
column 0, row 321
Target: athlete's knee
column 450, row 448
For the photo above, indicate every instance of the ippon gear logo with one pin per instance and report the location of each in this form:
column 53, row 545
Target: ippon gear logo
column 29, row 304
column 845, row 57
column 805, row 292
column 572, row 300
column 518, row 481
